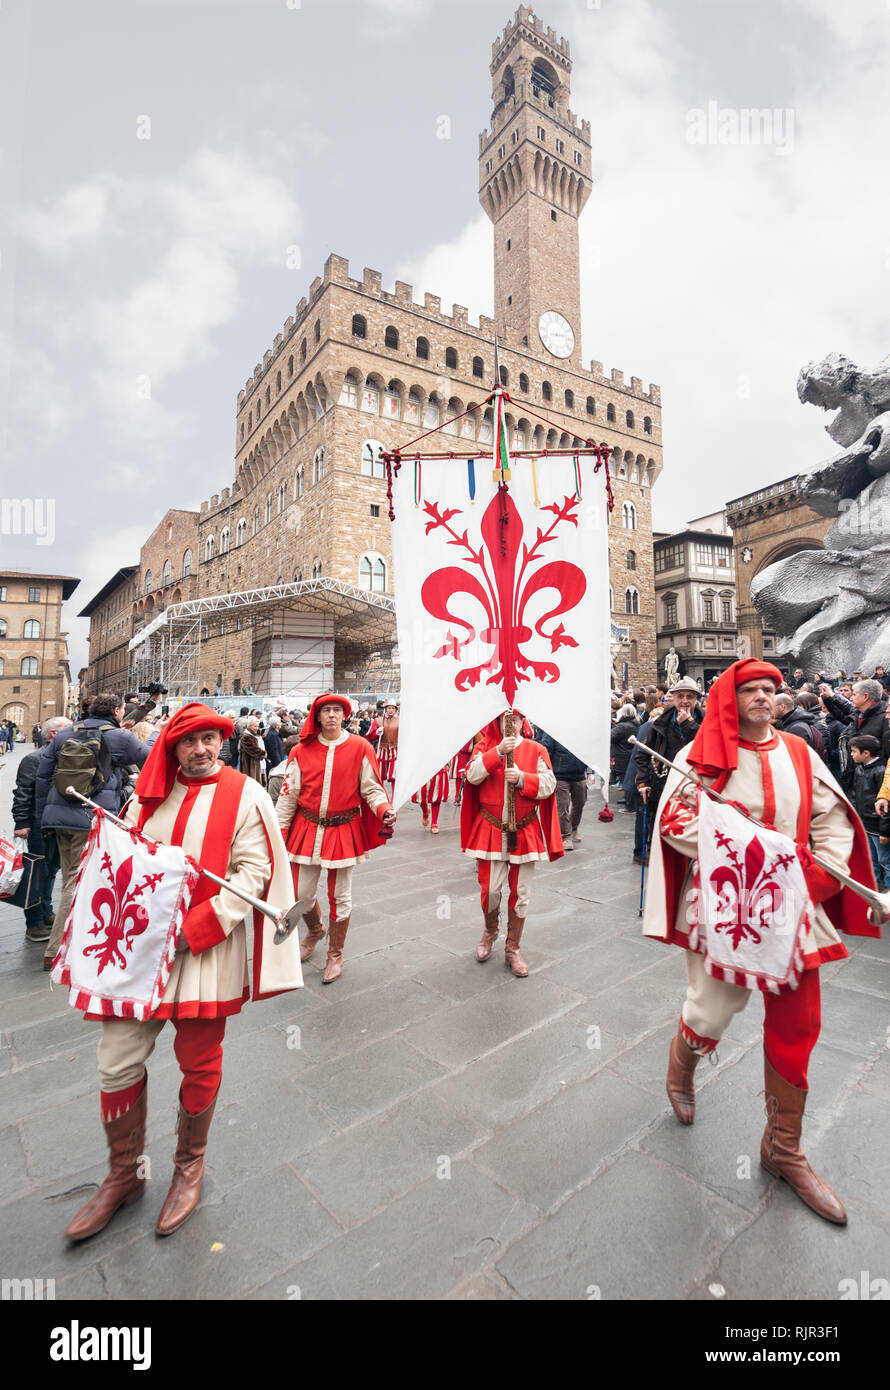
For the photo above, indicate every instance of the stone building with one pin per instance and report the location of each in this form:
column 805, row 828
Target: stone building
column 358, row 369
column 133, row 597
column 695, row 597
column 34, row 674
column 768, row 525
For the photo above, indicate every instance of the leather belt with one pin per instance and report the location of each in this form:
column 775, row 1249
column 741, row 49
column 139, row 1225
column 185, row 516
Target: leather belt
column 502, row 825
column 343, row 818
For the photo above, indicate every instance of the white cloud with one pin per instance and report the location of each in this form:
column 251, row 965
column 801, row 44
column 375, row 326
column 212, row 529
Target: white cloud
column 460, row 271
column 77, row 216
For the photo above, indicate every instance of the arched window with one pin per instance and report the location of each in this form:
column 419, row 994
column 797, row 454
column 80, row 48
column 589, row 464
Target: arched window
column 303, row 351
column 186, row 564
column 391, row 337
column 2, row 627
column 29, row 665
column 570, row 400
column 255, row 520
column 269, row 508
column 166, row 574
column 372, row 463
column 610, row 413
column 478, row 367
column 299, row 482
column 316, row 570
column 631, row 559
column 372, row 574
column 647, row 425
column 147, row 588
column 208, row 548
column 591, row 406
column 423, row 349
column 32, row 628
column 359, row 326
column 268, row 395
column 282, row 497
column 318, row 466
column 546, row 391
column 628, row 516
column 451, row 358
column 241, row 532
column 250, row 419
column 277, row 381
column 224, row 540
column 290, row 365
column 259, row 407
column 523, row 382
column 631, row 601
column 629, row 417
column 505, row 380
column 611, row 600
column 317, row 330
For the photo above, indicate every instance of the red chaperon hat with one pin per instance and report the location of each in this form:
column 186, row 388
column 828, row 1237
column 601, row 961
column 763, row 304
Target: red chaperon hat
column 158, row 774
column 309, row 728
column 715, row 747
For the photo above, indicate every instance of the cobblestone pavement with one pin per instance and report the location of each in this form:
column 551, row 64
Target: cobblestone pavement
column 432, row 1128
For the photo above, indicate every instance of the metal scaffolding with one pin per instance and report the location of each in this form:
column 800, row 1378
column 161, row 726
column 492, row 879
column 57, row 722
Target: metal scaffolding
column 168, row 649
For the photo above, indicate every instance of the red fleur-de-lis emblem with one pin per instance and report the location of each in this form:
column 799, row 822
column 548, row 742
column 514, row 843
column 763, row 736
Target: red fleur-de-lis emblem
column 126, row 918
column 748, row 896
column 675, row 817
column 508, row 573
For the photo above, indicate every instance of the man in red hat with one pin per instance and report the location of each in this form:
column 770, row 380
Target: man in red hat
column 330, row 810
column 185, row 796
column 484, row 833
column 779, row 780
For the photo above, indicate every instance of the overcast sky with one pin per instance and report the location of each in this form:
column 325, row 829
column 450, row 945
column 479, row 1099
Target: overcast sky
column 141, row 279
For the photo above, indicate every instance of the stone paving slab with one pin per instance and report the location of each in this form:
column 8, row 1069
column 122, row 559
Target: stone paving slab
column 641, row 1230
column 454, row 1037
column 377, row 1077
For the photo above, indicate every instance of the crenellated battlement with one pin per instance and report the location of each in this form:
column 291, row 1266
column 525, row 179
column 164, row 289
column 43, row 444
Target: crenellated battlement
column 526, row 20
column 336, row 272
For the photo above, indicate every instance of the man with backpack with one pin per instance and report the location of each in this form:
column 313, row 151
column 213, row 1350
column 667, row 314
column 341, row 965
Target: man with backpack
column 89, row 756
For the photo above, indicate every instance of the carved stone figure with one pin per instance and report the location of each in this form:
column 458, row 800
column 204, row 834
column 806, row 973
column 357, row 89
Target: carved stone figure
column 671, row 668
column 830, row 609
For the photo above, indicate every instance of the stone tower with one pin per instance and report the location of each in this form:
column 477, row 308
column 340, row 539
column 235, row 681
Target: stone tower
column 534, row 179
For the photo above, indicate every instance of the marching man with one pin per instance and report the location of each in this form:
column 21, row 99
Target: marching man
column 778, row 779
column 330, row 811
column 388, row 747
column 224, row 820
column 505, row 768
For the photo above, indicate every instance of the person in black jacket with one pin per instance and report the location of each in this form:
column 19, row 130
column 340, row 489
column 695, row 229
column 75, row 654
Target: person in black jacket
column 793, row 720
column 868, row 774
column 274, row 742
column 864, row 713
column 626, row 725
column 68, row 820
column 673, row 729
column 571, row 788
column 39, row 917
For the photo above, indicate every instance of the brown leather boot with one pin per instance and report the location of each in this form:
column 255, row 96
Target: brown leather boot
column 126, row 1141
column 681, row 1069
column 780, row 1152
column 334, row 965
column 511, row 950
column 489, row 936
column 314, row 922
column 188, row 1169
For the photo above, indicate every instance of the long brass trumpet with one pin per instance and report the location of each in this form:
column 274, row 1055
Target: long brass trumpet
column 878, row 903
column 285, row 918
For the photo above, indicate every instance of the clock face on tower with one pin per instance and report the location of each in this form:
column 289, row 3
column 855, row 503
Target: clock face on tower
column 556, row 334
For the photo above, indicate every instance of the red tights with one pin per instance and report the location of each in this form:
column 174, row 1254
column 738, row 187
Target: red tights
column 198, row 1049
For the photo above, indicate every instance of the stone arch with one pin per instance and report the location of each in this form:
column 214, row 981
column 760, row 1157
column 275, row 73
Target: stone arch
column 784, row 549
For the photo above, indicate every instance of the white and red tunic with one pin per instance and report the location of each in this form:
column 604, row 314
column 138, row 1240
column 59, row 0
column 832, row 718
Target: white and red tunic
column 486, row 792
column 774, row 785
column 225, row 823
column 330, row 779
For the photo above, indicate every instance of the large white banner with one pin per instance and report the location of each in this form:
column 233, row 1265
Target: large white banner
column 500, row 601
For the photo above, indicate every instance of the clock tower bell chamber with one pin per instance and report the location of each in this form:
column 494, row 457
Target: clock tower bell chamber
column 534, row 179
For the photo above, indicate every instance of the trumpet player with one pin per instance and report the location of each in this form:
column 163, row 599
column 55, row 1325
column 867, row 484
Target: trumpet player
column 780, row 781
